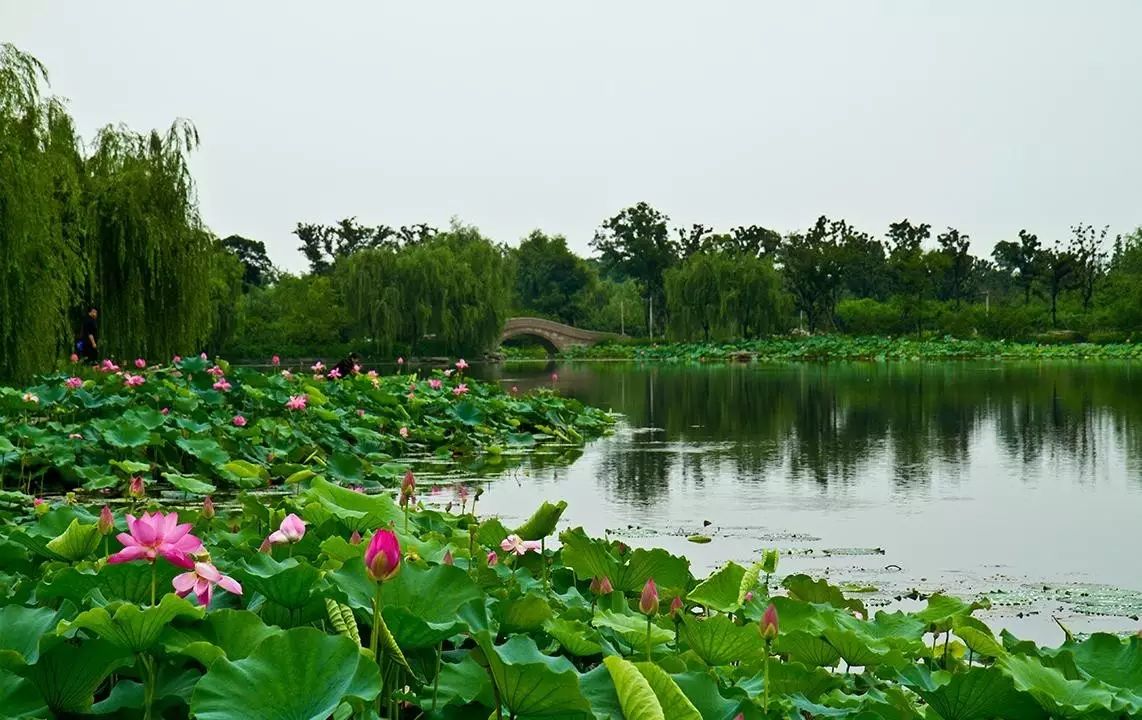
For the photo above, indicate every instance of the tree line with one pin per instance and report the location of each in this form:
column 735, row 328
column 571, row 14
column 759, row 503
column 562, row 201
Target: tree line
column 113, row 224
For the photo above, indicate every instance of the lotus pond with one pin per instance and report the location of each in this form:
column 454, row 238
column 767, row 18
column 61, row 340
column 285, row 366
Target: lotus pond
column 350, row 588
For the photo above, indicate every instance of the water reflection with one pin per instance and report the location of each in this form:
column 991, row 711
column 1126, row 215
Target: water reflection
column 982, row 472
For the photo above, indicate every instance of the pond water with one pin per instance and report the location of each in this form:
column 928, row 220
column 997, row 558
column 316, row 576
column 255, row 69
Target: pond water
column 1016, row 480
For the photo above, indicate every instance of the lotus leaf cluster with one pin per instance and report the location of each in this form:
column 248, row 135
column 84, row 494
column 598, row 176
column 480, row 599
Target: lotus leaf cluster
column 198, row 426
column 351, row 613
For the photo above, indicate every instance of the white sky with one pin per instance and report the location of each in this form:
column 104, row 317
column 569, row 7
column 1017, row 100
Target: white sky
column 515, row 114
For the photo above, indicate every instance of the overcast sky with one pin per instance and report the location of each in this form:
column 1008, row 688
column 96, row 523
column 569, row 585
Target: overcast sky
column 512, row 115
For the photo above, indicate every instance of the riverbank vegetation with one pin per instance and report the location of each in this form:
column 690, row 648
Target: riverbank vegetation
column 199, row 427
column 115, row 223
column 358, row 605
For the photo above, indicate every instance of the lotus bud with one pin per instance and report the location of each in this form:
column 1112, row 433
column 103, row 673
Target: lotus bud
column 265, row 546
column 648, row 603
column 493, row 558
column 382, row 556
column 208, row 508
column 275, row 361
column 676, row 607
column 137, row 488
column 601, row 585
column 448, row 560
column 749, row 596
column 355, row 538
column 769, row 626
column 40, row 506
column 106, row 521
column 408, row 485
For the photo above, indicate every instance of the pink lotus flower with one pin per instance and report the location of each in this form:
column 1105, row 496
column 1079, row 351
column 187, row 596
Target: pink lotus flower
column 73, row 383
column 493, row 558
column 297, row 402
column 334, row 374
column 448, row 559
column 360, row 412
column 769, row 623
column 317, row 366
column 287, row 374
column 106, row 521
column 140, row 363
column 239, row 421
column 355, row 538
column 223, row 385
column 30, row 398
column 403, row 432
column 216, row 371
column 137, row 488
column 554, row 377
column 648, row 602
column 382, row 556
column 74, row 358
column 74, row 436
column 372, row 374
column 435, row 383
column 461, row 364
column 400, row 361
column 36, row 502
column 291, row 530
column 460, row 389
column 156, row 535
column 676, row 606
column 201, row 356
column 165, row 411
column 515, row 390
column 208, row 508
column 201, row 580
column 108, row 367
column 133, row 380
column 749, row 596
column 448, row 372
column 275, row 361
column 176, row 359
column 519, row 546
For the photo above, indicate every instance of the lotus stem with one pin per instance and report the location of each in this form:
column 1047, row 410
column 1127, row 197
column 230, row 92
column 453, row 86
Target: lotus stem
column 766, row 662
column 154, row 580
column 379, row 658
column 648, row 638
column 436, row 680
column 148, row 687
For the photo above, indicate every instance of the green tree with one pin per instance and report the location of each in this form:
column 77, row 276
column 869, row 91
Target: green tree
column 957, row 263
column 695, row 293
column 550, row 280
column 323, row 245
column 813, row 267
column 1020, row 261
column 258, row 270
column 1088, row 249
column 636, row 244
column 1059, row 267
column 910, row 270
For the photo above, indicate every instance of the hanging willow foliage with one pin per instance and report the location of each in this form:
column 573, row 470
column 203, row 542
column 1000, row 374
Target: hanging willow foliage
column 118, row 228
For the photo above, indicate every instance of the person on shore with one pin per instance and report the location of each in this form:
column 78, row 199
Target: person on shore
column 349, row 365
column 87, row 346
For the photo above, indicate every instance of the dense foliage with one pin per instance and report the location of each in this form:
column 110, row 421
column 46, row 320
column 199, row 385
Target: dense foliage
column 350, row 605
column 196, row 427
column 114, row 225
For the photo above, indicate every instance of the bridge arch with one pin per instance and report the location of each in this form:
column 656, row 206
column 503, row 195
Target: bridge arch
column 555, row 336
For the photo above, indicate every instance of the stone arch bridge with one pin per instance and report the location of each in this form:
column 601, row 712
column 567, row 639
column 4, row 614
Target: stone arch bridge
column 556, row 336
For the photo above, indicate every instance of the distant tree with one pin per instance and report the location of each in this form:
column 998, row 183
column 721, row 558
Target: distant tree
column 550, row 279
column 957, row 262
column 1090, row 256
column 694, row 240
column 909, row 266
column 863, row 258
column 1020, row 261
column 1058, row 267
column 323, row 245
column 636, row 244
column 813, row 269
column 258, row 271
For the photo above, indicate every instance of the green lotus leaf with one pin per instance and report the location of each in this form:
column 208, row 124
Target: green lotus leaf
column 720, row 641
column 720, row 590
column 467, row 412
column 124, row 433
column 576, row 636
column 805, row 589
column 345, row 467
column 67, row 675
column 674, row 703
column 20, row 699
column 246, row 474
column 532, row 684
column 525, row 614
column 632, row 629
column 130, row 467
column 980, row 694
column 637, row 699
column 461, row 683
column 129, row 626
column 20, row 631
column 542, row 522
column 702, row 691
column 1112, row 660
column 193, row 484
column 977, row 636
column 1063, row 697
column 793, row 678
column 300, row 476
column 668, row 571
column 205, row 449
column 225, row 633
column 805, row 647
column 291, row 583
column 943, row 611
column 359, row 510
column 77, row 542
column 302, row 674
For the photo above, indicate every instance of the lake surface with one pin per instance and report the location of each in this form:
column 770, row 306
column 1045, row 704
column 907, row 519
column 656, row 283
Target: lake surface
column 1017, row 480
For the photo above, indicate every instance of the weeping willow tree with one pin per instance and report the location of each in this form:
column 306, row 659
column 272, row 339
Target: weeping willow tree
column 42, row 260
column 448, row 294
column 117, row 227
